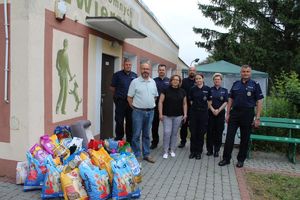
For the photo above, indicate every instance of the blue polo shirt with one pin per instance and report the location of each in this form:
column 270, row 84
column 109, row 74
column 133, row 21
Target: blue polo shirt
column 245, row 95
column 218, row 96
column 199, row 97
column 121, row 81
column 161, row 84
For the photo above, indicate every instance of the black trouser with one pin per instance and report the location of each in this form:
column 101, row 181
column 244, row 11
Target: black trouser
column 198, row 127
column 155, row 125
column 184, row 129
column 243, row 118
column 123, row 110
column 214, row 131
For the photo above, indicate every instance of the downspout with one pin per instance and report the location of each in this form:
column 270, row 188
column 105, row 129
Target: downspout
column 6, row 54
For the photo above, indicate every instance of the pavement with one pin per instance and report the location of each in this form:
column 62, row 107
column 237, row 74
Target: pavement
column 186, row 179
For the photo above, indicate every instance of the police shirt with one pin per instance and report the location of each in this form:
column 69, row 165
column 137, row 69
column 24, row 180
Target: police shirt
column 245, row 95
column 187, row 84
column 161, row 84
column 121, row 81
column 218, row 96
column 199, row 97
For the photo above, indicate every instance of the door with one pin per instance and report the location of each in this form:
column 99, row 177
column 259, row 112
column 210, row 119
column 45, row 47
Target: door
column 106, row 114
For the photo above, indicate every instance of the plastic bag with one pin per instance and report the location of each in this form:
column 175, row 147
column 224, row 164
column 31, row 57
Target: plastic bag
column 111, row 145
column 47, row 144
column 72, row 186
column 124, row 185
column 21, row 172
column 62, row 132
column 102, row 159
column 95, row 144
column 95, row 180
column 52, row 184
column 36, row 174
column 125, row 148
column 38, row 153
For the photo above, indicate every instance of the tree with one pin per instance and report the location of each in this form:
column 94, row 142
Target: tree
column 262, row 33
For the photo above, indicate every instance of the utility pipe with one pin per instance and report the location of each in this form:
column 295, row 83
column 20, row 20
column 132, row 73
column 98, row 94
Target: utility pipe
column 6, row 54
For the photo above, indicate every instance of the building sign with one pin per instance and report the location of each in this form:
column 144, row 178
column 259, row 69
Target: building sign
column 106, row 8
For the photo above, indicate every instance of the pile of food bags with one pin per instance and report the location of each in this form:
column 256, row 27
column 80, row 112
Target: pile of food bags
column 60, row 167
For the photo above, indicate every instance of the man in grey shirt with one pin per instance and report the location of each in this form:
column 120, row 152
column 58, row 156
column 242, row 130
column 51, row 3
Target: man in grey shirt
column 141, row 97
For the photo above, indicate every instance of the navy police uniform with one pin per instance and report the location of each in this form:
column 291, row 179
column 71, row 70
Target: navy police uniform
column 187, row 84
column 121, row 81
column 161, row 85
column 216, row 123
column 198, row 118
column 244, row 98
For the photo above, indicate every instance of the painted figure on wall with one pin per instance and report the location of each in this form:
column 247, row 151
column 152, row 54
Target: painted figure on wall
column 62, row 66
column 74, row 92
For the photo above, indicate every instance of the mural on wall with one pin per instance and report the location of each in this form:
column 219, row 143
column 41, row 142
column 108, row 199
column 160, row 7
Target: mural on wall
column 67, row 76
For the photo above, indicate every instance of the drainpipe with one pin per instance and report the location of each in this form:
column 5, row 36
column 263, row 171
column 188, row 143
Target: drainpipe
column 6, row 54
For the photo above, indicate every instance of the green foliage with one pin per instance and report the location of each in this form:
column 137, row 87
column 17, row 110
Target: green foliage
column 284, row 102
column 273, row 186
column 264, row 34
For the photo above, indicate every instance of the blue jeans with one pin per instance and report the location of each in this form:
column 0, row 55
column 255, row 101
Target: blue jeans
column 141, row 123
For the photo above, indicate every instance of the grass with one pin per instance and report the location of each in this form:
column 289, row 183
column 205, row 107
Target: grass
column 273, row 186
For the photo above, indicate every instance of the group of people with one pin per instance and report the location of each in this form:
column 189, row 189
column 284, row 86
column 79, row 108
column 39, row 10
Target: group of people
column 187, row 103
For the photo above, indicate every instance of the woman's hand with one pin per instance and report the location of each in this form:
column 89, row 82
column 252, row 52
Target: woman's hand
column 184, row 117
column 161, row 117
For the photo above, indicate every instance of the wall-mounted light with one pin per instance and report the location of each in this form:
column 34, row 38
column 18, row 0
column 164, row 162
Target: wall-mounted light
column 60, row 9
column 114, row 44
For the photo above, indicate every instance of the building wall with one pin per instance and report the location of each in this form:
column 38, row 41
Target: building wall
column 35, row 40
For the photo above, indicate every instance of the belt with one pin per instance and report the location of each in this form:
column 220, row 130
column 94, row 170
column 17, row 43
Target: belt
column 143, row 109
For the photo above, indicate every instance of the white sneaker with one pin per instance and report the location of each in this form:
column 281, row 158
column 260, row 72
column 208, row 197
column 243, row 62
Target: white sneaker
column 165, row 156
column 173, row 154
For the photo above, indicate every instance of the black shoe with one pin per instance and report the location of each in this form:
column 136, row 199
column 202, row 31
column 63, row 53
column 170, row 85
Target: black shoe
column 153, row 146
column 198, row 156
column 181, row 145
column 239, row 164
column 192, row 155
column 216, row 154
column 224, row 162
column 209, row 153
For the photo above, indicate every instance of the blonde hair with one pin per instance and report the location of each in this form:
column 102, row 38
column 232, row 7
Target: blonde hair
column 217, row 75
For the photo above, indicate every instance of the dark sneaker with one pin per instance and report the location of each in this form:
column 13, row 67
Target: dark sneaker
column 149, row 159
column 209, row 153
column 192, row 155
column 216, row 154
column 224, row 162
column 198, row 156
column 239, row 164
column 181, row 145
column 153, row 146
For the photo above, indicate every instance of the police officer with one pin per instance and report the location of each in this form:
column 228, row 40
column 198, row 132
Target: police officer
column 187, row 84
column 162, row 83
column 119, row 86
column 216, row 116
column 244, row 95
column 200, row 102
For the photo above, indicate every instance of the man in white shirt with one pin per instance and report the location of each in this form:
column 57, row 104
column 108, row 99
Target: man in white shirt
column 141, row 97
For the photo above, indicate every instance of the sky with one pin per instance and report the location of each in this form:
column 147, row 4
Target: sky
column 178, row 18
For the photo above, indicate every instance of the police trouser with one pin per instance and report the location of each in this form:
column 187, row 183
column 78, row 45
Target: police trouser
column 243, row 118
column 184, row 128
column 123, row 111
column 198, row 127
column 214, row 131
column 155, row 125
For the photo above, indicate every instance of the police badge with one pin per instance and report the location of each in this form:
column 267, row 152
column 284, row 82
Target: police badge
column 204, row 98
column 221, row 97
column 248, row 94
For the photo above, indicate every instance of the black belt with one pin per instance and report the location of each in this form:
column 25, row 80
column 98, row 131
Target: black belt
column 143, row 109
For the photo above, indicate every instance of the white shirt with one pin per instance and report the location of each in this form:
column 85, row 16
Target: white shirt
column 143, row 92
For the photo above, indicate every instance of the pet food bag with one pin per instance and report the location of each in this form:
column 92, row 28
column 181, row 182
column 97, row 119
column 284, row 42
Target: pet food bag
column 38, row 153
column 72, row 186
column 96, row 181
column 21, row 172
column 47, row 144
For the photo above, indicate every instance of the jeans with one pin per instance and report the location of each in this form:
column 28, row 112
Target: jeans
column 171, row 126
column 141, row 124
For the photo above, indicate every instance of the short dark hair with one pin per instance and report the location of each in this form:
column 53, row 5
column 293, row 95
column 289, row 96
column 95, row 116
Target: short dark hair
column 161, row 65
column 127, row 60
column 246, row 66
